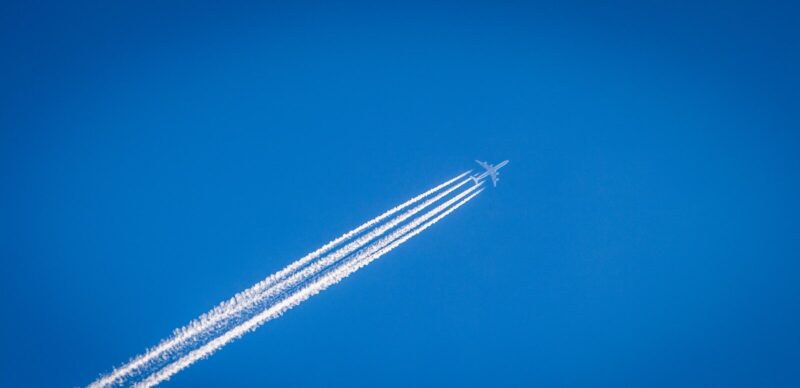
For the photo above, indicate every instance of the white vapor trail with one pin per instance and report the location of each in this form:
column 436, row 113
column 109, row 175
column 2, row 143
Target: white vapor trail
column 216, row 318
column 326, row 261
column 316, row 286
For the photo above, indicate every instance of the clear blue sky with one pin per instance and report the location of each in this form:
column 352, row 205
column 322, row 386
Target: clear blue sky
column 156, row 159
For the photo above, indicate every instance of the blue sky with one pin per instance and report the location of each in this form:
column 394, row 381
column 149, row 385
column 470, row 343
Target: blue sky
column 156, row 159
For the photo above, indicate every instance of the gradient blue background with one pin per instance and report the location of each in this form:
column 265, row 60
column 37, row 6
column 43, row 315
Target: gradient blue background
column 156, row 159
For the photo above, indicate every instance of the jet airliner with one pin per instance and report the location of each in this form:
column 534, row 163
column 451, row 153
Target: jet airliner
column 491, row 171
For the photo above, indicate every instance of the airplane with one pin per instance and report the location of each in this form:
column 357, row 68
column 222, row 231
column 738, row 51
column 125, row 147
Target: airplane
column 491, row 171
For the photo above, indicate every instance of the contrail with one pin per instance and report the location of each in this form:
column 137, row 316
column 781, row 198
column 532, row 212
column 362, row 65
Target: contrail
column 302, row 294
column 244, row 299
column 327, row 261
column 324, row 262
column 299, row 277
column 383, row 242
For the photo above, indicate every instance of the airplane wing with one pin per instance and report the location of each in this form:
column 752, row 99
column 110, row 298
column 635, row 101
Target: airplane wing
column 483, row 164
column 494, row 179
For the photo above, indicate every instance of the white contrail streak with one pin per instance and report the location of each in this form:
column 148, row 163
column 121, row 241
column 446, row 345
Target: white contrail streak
column 246, row 298
column 300, row 276
column 325, row 262
column 296, row 298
